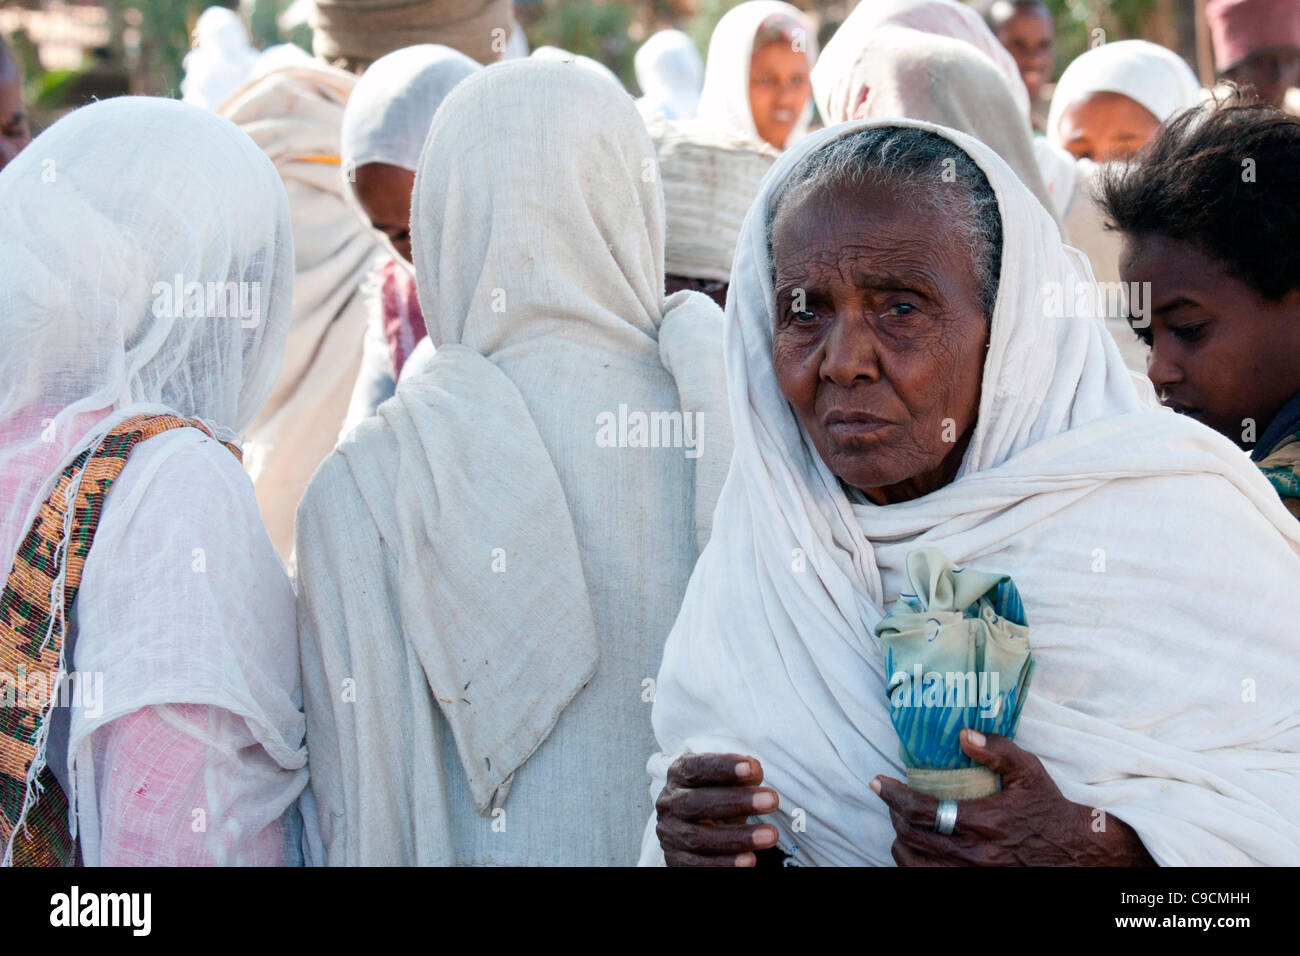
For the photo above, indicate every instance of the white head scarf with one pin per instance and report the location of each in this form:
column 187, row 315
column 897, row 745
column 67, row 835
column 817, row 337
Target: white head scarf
column 670, row 73
column 388, row 114
column 222, row 60
column 901, row 72
column 555, row 54
column 1136, row 704
column 834, row 82
column 1151, row 75
column 724, row 100
column 89, row 263
column 392, row 105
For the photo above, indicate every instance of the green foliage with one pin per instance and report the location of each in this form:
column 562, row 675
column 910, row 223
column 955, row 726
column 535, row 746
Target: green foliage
column 597, row 30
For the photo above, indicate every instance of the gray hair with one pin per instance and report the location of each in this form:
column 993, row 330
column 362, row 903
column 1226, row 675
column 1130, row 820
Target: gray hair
column 933, row 169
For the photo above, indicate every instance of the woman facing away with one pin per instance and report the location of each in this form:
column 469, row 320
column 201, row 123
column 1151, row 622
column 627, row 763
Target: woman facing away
column 488, row 566
column 899, row 379
column 144, row 312
column 1208, row 220
column 757, row 74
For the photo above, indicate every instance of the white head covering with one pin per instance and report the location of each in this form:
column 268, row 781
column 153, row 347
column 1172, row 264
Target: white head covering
column 222, row 60
column 115, row 283
column 88, row 264
column 555, row 54
column 670, row 72
column 834, row 80
column 1136, row 703
column 540, row 274
column 902, row 72
column 1153, row 76
column 392, row 105
column 724, row 100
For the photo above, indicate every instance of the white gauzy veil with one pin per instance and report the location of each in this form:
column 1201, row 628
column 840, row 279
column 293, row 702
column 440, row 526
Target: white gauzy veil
column 146, row 265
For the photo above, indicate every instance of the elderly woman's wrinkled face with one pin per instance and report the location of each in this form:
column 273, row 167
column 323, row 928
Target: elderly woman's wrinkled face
column 779, row 90
column 1106, row 126
column 879, row 339
column 384, row 192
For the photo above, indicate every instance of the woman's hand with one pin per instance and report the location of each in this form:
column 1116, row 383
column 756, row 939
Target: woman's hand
column 704, row 808
column 1028, row 823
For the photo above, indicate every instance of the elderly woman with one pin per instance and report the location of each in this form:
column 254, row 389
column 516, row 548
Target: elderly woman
column 899, row 378
column 756, row 77
column 384, row 126
column 1217, row 247
column 1110, row 100
column 138, row 345
column 485, row 565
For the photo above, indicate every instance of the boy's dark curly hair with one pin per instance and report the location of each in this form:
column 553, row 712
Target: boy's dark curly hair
column 1225, row 180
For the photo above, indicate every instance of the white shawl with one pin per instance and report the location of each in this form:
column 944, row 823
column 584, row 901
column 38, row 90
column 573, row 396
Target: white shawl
column 670, row 73
column 724, row 100
column 293, row 114
column 1158, row 570
column 833, row 76
column 95, row 334
column 474, row 556
column 1153, row 76
column 902, row 72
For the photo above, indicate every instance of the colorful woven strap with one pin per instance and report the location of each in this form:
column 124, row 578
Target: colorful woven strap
column 26, row 618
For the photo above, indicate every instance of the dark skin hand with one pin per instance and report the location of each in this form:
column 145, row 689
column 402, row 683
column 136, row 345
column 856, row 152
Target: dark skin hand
column 704, row 809
column 1028, row 823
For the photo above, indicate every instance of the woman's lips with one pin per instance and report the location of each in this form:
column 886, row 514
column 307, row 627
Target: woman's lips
column 852, row 424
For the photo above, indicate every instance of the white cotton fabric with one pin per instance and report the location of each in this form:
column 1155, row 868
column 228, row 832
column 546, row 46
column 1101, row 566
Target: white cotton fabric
column 392, row 105
column 902, row 72
column 294, row 115
column 96, row 238
column 834, row 79
column 724, row 99
column 670, row 73
column 1153, row 76
column 556, row 55
column 221, row 62
column 494, row 582
column 1138, row 703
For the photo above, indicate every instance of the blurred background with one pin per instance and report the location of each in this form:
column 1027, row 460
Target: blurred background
column 76, row 50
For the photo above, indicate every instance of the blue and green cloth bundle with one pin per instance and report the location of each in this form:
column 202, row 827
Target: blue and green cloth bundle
column 957, row 656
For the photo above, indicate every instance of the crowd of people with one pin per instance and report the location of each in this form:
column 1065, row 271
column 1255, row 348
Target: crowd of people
column 425, row 452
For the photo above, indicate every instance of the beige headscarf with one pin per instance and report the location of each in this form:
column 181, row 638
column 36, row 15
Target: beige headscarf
column 904, row 73
column 352, row 34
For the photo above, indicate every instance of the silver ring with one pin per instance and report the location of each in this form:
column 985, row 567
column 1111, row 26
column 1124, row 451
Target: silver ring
column 945, row 817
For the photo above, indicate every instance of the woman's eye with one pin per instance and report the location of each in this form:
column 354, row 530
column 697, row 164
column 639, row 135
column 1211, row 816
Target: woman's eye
column 803, row 316
column 902, row 310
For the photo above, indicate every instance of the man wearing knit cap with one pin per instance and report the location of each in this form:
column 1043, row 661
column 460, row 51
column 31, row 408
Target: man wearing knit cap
column 1257, row 44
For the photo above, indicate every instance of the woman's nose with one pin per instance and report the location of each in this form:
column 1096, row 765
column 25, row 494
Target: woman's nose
column 851, row 353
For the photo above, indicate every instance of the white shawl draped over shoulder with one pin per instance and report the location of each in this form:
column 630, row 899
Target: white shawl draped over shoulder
column 484, row 584
column 1157, row 567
